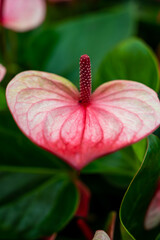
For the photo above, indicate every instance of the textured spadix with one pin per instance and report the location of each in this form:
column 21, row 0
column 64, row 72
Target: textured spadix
column 46, row 107
column 22, row 15
column 2, row 72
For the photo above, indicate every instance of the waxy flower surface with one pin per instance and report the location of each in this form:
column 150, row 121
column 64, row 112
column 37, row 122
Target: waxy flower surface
column 22, row 15
column 80, row 127
column 101, row 235
column 2, row 72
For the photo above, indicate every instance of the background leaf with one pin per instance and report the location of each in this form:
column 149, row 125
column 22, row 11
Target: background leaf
column 130, row 60
column 94, row 34
column 119, row 167
column 139, row 194
column 33, row 186
column 32, row 205
column 17, row 150
column 158, row 237
column 3, row 104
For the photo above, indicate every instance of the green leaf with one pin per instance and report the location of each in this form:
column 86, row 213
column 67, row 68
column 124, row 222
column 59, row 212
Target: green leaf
column 139, row 195
column 94, row 34
column 17, row 150
column 158, row 237
column 3, row 104
column 32, row 205
column 119, row 167
column 34, row 184
column 125, row 234
column 130, row 60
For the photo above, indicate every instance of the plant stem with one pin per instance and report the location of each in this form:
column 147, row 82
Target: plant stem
column 87, row 232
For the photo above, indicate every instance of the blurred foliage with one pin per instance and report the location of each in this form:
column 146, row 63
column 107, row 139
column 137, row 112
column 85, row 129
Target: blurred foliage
column 130, row 60
column 140, row 193
column 58, row 49
column 38, row 195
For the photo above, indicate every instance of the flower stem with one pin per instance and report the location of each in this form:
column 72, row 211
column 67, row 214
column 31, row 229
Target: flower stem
column 87, row 232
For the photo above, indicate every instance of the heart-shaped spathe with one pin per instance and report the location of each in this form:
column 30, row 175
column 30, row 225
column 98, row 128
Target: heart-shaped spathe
column 46, row 108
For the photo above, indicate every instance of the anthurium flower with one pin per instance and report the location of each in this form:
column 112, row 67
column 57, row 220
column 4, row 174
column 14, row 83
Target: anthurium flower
column 22, row 15
column 101, row 235
column 58, row 1
column 152, row 218
column 80, row 127
column 2, row 72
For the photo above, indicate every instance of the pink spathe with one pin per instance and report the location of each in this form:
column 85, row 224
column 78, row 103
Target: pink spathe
column 59, row 1
column 23, row 15
column 48, row 110
column 2, row 72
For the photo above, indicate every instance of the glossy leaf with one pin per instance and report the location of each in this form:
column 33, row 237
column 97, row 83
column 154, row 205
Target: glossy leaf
column 22, row 15
column 17, row 150
column 119, row 167
column 125, row 158
column 46, row 108
column 140, row 194
column 94, row 34
column 32, row 204
column 131, row 60
column 158, row 237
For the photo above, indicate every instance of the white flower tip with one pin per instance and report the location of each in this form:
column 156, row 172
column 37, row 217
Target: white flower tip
column 101, row 235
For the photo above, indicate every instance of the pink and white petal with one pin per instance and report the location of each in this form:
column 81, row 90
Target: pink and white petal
column 23, row 15
column 116, row 86
column 33, row 96
column 2, row 72
column 152, row 218
column 101, row 131
column 63, row 132
column 135, row 106
column 101, row 235
column 46, row 108
column 35, row 80
column 58, row 1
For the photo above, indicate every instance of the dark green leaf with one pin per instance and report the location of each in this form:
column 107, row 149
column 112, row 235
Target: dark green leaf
column 32, row 204
column 17, row 150
column 3, row 104
column 59, row 48
column 139, row 195
column 119, row 167
column 130, row 60
column 34, row 184
column 158, row 237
